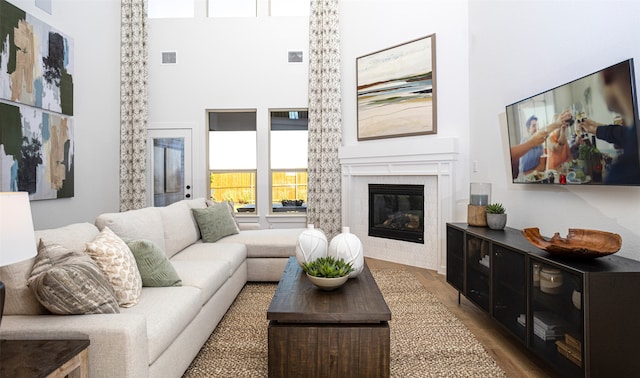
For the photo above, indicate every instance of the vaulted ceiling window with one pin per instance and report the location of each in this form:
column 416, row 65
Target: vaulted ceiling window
column 232, row 8
column 171, row 9
column 280, row 8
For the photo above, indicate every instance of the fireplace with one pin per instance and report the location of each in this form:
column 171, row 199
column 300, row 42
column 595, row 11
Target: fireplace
column 397, row 212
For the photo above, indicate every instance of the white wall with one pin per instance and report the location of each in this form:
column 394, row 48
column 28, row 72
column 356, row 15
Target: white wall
column 520, row 48
column 487, row 58
column 94, row 26
column 370, row 25
column 226, row 63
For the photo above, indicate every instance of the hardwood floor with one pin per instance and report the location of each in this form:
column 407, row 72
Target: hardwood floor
column 510, row 355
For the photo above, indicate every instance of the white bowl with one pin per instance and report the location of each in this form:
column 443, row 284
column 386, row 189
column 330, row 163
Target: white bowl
column 328, row 283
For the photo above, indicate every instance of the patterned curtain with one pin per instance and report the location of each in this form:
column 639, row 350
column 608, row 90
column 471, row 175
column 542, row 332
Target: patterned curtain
column 133, row 104
column 324, row 207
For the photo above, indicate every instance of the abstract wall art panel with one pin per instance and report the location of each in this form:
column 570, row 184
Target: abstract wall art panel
column 36, row 152
column 36, row 62
column 397, row 90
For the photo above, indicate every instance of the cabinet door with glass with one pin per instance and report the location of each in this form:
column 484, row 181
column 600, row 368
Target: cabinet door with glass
column 556, row 316
column 455, row 258
column 478, row 270
column 510, row 290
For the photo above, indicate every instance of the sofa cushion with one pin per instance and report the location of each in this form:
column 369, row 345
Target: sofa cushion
column 74, row 236
column 196, row 203
column 19, row 299
column 209, row 265
column 153, row 265
column 206, row 275
column 168, row 311
column 267, row 243
column 143, row 223
column 180, row 228
column 215, row 222
column 234, row 254
column 68, row 282
column 118, row 265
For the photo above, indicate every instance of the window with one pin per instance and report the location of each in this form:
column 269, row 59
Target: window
column 171, row 9
column 168, row 170
column 232, row 158
column 289, row 8
column 232, row 8
column 289, row 161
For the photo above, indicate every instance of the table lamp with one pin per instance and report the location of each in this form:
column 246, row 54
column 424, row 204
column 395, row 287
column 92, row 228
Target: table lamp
column 17, row 240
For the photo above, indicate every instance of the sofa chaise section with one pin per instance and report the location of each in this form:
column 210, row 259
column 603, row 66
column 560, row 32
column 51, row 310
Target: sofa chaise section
column 267, row 251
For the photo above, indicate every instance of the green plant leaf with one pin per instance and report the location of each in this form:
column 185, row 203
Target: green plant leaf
column 495, row 208
column 327, row 267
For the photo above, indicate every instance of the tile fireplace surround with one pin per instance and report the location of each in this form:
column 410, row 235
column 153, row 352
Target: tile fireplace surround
column 434, row 168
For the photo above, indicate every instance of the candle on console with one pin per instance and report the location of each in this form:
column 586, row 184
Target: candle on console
column 480, row 199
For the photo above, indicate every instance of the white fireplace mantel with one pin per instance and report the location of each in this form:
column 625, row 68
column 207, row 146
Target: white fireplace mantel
column 437, row 157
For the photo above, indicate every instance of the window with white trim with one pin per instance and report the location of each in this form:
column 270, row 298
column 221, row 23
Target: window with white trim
column 232, row 158
column 288, row 161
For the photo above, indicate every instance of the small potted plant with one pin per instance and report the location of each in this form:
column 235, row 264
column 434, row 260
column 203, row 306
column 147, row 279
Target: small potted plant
column 496, row 216
column 327, row 273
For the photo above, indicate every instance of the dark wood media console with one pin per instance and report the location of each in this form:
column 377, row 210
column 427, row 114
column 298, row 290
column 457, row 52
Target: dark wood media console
column 580, row 316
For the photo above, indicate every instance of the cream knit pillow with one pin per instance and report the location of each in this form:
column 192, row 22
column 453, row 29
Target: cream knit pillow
column 118, row 265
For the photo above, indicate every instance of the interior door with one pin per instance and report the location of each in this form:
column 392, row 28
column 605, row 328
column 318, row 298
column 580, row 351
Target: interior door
column 169, row 163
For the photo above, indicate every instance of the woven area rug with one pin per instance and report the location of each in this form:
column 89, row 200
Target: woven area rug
column 427, row 340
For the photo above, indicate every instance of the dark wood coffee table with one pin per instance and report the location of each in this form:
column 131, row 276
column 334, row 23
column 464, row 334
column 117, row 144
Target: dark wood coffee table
column 341, row 333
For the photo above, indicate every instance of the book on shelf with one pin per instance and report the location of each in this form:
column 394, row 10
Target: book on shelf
column 548, row 320
column 546, row 332
column 547, row 335
column 569, row 352
column 573, row 341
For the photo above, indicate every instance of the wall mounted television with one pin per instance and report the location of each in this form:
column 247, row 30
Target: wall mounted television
column 579, row 133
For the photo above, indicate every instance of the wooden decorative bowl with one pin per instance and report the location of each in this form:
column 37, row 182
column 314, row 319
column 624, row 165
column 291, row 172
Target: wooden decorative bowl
column 578, row 243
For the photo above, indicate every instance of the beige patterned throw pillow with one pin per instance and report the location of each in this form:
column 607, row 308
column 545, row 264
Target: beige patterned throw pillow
column 118, row 265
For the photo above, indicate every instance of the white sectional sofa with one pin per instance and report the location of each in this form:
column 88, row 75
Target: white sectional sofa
column 160, row 336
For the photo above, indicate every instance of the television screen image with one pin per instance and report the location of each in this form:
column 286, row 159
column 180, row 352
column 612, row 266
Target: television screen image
column 582, row 132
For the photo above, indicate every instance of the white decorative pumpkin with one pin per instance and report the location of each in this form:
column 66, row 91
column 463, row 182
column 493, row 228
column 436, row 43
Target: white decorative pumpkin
column 312, row 244
column 348, row 247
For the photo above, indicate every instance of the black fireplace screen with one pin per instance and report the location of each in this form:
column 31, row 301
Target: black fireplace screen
column 397, row 212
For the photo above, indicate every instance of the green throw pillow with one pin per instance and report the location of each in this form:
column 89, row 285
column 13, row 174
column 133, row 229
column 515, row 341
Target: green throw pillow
column 154, row 266
column 215, row 222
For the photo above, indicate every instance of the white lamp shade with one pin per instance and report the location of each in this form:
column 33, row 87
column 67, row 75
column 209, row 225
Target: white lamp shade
column 17, row 240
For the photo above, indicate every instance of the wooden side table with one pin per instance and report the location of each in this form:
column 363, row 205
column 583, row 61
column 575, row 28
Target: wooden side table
column 44, row 358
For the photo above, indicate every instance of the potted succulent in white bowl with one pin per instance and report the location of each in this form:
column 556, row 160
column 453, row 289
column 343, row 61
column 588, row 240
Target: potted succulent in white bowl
column 496, row 216
column 327, row 273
